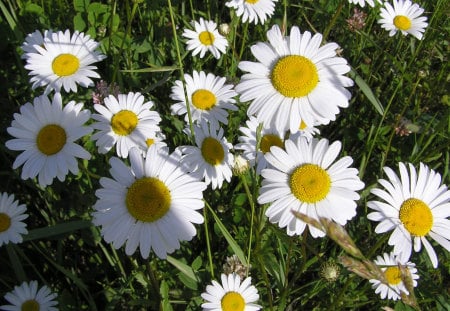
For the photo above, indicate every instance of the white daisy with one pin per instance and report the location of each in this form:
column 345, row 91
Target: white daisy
column 270, row 136
column 34, row 39
column 208, row 95
column 256, row 11
column 308, row 131
column 11, row 215
column 152, row 204
column 404, row 17
column 156, row 139
column 64, row 61
column 124, row 122
column 211, row 159
column 46, row 132
column 305, row 179
column 294, row 79
column 205, row 38
column 231, row 295
column 389, row 264
column 415, row 206
column 363, row 2
column 28, row 297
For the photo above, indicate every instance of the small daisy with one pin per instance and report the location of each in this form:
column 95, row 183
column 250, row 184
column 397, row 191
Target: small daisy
column 389, row 264
column 404, row 17
column 46, row 132
column 253, row 11
column 205, row 38
column 34, row 39
column 211, row 159
column 307, row 131
column 415, row 206
column 156, row 139
column 124, row 122
column 305, row 179
column 64, row 61
column 208, row 95
column 231, row 295
column 294, row 79
column 28, row 297
column 270, row 136
column 152, row 205
column 363, row 2
column 11, row 215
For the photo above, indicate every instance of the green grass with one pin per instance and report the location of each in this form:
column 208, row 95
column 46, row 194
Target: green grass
column 395, row 77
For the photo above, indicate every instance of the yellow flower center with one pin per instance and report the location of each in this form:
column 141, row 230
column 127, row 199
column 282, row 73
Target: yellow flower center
column 393, row 275
column 294, row 76
column 251, row 1
column 51, row 139
column 124, row 122
column 268, row 141
column 65, row 65
column 149, row 141
column 212, row 151
column 5, row 222
column 310, row 183
column 203, row 99
column 302, row 126
column 402, row 22
column 148, row 199
column 232, row 301
column 30, row 305
column 416, row 216
column 206, row 38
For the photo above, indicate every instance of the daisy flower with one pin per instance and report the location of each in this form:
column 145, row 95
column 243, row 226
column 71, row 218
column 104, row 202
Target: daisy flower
column 231, row 295
column 363, row 2
column 124, row 122
column 46, row 132
column 305, row 179
column 208, row 95
column 11, row 215
column 253, row 11
column 211, row 159
column 33, row 39
column 270, row 136
column 404, row 17
column 152, row 204
column 308, row 131
column 156, row 139
column 294, row 79
column 389, row 264
column 415, row 206
column 28, row 297
column 205, row 38
column 63, row 61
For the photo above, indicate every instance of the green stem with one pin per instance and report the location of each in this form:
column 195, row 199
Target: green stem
column 252, row 206
column 208, row 243
column 333, row 20
column 154, row 283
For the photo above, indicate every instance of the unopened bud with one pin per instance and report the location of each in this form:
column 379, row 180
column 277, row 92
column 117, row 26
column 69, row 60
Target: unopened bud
column 224, row 29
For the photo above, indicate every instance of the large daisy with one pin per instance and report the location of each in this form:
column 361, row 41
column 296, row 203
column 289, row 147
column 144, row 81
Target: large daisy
column 46, row 133
column 211, row 159
column 415, row 206
column 305, row 179
column 151, row 205
column 11, row 215
column 363, row 2
column 124, row 122
column 231, row 295
column 389, row 264
column 208, row 96
column 28, row 297
column 206, row 37
column 294, row 79
column 405, row 17
column 63, row 61
column 253, row 11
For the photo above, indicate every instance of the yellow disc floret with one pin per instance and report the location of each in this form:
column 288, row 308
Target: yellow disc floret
column 5, row 222
column 393, row 275
column 402, row 22
column 203, row 99
column 51, row 139
column 212, row 151
column 232, row 301
column 65, row 65
column 30, row 305
column 416, row 216
column 310, row 183
column 206, row 38
column 268, row 141
column 124, row 122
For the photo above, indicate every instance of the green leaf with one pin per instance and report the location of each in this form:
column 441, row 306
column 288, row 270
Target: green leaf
column 152, row 69
column 81, row 5
column 187, row 275
column 364, row 87
column 61, row 228
column 79, row 23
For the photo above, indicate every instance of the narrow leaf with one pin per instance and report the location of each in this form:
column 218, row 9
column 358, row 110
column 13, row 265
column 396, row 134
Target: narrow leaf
column 364, row 87
column 61, row 228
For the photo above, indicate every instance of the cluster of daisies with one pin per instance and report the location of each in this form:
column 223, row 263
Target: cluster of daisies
column 152, row 200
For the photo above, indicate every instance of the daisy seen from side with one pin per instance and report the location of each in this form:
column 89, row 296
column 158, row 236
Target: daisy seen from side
column 415, row 206
column 46, row 133
column 27, row 297
column 63, row 61
column 125, row 122
column 294, row 79
column 231, row 295
column 389, row 264
column 208, row 96
column 304, row 177
column 253, row 11
column 12, row 215
column 211, row 158
column 151, row 205
column 404, row 16
column 205, row 38
column 308, row 131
